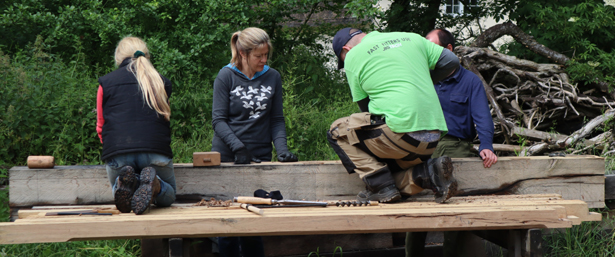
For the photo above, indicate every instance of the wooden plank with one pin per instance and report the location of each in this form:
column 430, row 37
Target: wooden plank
column 315, row 180
column 588, row 189
column 526, row 175
column 572, row 207
column 241, row 223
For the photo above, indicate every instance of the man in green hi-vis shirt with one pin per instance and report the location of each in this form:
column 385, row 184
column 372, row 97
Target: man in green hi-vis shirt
column 389, row 144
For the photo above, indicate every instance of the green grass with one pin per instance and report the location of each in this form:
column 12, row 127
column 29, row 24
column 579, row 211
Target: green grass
column 78, row 248
column 587, row 239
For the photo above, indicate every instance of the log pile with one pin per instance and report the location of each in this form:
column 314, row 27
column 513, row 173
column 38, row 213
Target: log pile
column 531, row 101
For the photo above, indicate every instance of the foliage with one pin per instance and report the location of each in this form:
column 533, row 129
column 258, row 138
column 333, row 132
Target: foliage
column 47, row 109
column 318, row 254
column 422, row 16
column 5, row 211
column 309, row 110
column 582, row 30
column 125, row 248
column 189, row 44
column 587, row 239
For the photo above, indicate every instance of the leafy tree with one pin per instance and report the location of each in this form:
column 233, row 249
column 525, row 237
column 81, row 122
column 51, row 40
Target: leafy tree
column 189, row 45
column 580, row 29
column 422, row 16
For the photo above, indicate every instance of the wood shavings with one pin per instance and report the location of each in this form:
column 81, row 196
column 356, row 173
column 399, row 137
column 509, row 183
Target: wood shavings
column 214, row 203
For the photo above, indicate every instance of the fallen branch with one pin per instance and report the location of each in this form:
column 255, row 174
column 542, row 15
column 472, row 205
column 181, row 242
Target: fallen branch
column 509, row 28
column 586, row 129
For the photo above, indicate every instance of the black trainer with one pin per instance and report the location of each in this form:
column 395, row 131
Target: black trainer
column 388, row 194
column 127, row 183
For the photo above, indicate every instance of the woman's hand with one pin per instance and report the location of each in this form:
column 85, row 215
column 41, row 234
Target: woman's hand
column 287, row 157
column 243, row 156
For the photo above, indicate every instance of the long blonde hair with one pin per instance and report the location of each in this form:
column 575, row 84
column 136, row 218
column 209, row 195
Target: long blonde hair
column 247, row 40
column 150, row 82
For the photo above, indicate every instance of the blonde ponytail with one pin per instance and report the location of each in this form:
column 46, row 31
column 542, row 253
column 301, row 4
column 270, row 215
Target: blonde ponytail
column 236, row 56
column 150, row 82
column 247, row 40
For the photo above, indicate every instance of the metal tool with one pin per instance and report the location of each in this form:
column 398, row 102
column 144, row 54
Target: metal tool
column 356, row 203
column 269, row 201
column 86, row 212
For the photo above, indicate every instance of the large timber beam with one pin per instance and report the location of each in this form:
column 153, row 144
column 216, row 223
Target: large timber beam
column 574, row 177
column 461, row 213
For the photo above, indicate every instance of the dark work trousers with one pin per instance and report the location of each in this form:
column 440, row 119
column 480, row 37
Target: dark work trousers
column 367, row 146
column 246, row 246
column 415, row 241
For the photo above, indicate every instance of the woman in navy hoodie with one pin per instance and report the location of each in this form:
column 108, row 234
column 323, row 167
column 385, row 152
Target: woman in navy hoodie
column 247, row 116
column 133, row 125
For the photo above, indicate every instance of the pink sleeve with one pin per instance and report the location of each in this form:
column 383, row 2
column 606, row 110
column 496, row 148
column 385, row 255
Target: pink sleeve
column 100, row 120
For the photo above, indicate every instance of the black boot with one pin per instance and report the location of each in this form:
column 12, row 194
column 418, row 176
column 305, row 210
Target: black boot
column 127, row 183
column 147, row 191
column 437, row 175
column 380, row 187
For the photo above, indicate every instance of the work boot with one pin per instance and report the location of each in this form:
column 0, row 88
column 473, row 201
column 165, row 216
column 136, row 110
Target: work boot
column 380, row 187
column 437, row 175
column 127, row 183
column 388, row 194
column 147, row 191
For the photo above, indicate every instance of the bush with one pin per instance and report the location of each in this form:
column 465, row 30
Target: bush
column 49, row 108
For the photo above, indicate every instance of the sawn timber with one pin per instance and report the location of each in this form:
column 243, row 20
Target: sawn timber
column 573, row 177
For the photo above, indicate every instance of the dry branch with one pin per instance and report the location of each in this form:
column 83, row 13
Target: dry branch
column 587, row 129
column 528, row 97
column 509, row 28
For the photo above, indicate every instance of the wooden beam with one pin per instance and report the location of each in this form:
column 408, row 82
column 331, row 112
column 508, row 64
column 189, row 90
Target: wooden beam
column 574, row 177
column 205, row 222
column 535, row 175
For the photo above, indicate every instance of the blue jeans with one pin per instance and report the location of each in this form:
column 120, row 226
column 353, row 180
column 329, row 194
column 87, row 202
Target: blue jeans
column 162, row 164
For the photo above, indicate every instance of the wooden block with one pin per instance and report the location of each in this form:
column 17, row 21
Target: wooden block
column 200, row 159
column 41, row 162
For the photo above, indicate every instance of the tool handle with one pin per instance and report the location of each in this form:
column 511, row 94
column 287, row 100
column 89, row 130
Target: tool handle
column 253, row 209
column 252, row 200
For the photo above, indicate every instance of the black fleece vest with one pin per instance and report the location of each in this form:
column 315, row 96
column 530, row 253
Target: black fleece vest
column 130, row 124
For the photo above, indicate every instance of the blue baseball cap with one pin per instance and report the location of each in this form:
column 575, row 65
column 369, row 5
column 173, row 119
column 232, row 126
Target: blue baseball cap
column 341, row 38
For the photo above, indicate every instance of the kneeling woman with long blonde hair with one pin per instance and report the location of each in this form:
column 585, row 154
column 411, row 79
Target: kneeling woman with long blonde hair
column 133, row 115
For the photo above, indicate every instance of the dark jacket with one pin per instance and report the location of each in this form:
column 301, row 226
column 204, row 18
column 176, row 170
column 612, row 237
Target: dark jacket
column 130, row 125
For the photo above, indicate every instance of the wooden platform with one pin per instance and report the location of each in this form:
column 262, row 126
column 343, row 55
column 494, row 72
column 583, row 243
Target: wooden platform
column 573, row 177
column 461, row 213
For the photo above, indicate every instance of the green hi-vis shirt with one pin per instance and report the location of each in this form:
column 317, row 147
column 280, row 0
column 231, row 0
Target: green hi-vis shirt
column 392, row 69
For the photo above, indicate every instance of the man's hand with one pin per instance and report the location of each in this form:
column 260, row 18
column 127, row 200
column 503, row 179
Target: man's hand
column 489, row 158
column 287, row 157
